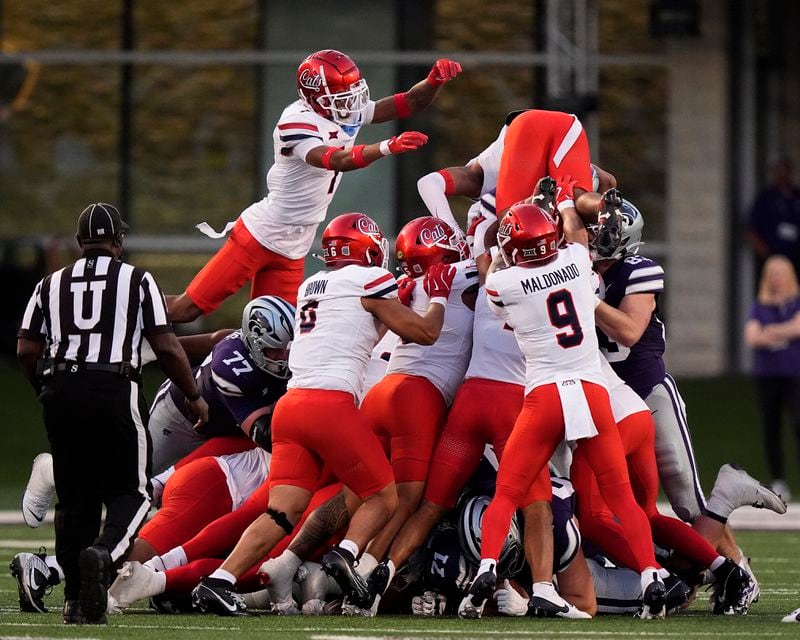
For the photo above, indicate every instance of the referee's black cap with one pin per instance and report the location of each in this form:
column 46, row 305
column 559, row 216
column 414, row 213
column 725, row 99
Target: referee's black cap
column 101, row 221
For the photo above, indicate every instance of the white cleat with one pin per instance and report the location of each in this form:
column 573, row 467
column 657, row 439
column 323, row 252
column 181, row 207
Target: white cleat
column 134, row 582
column 740, row 489
column 547, row 603
column 257, row 599
column 510, row 602
column 756, row 590
column 794, row 616
column 39, row 492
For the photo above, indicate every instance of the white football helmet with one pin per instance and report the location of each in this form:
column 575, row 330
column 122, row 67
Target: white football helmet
column 470, row 521
column 268, row 323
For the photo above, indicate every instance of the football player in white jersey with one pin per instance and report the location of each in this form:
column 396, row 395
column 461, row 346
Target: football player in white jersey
column 314, row 142
column 407, row 408
column 317, row 422
column 547, row 295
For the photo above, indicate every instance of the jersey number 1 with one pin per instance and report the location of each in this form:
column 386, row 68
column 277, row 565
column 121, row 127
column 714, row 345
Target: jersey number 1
column 561, row 309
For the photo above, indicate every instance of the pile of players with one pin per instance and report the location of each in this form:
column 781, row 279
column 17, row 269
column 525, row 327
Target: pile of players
column 480, row 430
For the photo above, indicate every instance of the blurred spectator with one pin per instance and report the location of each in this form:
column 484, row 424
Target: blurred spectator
column 774, row 224
column 773, row 332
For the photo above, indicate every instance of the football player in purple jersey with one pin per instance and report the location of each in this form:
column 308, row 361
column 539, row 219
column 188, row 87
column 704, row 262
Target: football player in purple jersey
column 632, row 337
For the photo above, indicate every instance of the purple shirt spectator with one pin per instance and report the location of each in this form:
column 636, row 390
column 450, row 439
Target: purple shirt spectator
column 776, row 361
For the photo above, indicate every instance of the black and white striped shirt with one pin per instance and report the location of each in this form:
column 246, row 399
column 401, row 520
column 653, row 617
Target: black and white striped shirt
column 95, row 310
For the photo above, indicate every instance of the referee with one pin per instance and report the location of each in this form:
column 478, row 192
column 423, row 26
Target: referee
column 79, row 345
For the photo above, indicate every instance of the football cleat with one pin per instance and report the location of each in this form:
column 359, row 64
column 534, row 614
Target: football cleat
column 547, row 603
column 135, row 581
column 732, row 591
column 471, row 606
column 214, row 595
column 257, row 599
column 95, row 565
column 339, row 564
column 171, row 605
column 654, row 600
column 39, row 491
column 745, row 564
column 609, row 224
column 72, row 612
column 794, row 616
column 738, row 488
column 34, row 581
column 545, row 194
column 278, row 574
column 679, row 594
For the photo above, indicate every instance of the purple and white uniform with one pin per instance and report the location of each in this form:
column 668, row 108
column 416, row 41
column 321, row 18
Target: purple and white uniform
column 234, row 388
column 642, row 368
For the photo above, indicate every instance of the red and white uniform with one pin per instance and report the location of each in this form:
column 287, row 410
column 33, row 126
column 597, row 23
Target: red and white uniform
column 298, row 195
column 489, row 159
column 542, row 143
column 317, row 420
column 269, row 241
column 485, row 407
column 408, row 407
column 551, row 309
column 624, row 400
column 198, row 490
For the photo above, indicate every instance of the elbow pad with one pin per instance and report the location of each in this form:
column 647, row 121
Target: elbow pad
column 261, row 432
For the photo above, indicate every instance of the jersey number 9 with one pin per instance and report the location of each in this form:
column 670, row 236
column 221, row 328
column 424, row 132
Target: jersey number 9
column 561, row 309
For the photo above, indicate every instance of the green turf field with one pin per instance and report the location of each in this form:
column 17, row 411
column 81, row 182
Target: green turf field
column 774, row 556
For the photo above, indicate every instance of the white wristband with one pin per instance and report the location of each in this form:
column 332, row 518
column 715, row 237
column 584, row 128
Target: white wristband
column 384, row 148
column 439, row 300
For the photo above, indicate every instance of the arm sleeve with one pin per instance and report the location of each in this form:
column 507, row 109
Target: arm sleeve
column 369, row 113
column 494, row 298
column 154, row 307
column 383, row 286
column 431, row 189
column 33, row 326
column 298, row 136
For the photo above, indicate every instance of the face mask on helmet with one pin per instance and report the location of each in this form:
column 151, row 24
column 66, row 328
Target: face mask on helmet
column 629, row 242
column 470, row 520
column 345, row 108
column 268, row 325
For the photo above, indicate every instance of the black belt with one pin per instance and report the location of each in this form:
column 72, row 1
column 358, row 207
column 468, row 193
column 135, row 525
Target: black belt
column 47, row 368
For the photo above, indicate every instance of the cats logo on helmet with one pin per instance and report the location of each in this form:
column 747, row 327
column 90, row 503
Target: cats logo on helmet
column 310, row 80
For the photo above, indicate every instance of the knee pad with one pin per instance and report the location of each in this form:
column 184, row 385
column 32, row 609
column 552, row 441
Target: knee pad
column 279, row 517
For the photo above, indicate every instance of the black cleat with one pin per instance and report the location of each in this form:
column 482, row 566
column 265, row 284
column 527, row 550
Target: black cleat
column 377, row 583
column 609, row 224
column 544, row 194
column 72, row 612
column 654, row 601
column 479, row 591
column 34, row 581
column 732, row 590
column 678, row 593
column 171, row 605
column 214, row 595
column 338, row 563
column 95, row 565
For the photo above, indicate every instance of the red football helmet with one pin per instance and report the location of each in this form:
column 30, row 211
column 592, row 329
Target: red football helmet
column 527, row 235
column 424, row 242
column 330, row 83
column 354, row 238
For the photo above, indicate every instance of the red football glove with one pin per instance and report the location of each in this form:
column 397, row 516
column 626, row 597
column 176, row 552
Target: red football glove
column 406, row 141
column 405, row 289
column 564, row 196
column 443, row 71
column 439, row 280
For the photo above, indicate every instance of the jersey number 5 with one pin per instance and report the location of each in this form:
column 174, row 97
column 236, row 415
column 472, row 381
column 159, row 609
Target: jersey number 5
column 308, row 316
column 561, row 309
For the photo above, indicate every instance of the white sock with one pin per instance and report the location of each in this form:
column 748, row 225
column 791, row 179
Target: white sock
column 663, row 574
column 160, row 583
column 543, row 589
column 366, row 563
column 155, row 563
column 719, row 505
column 349, row 545
column 717, row 563
column 487, row 564
column 221, row 574
column 51, row 562
column 174, row 558
column 650, row 574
